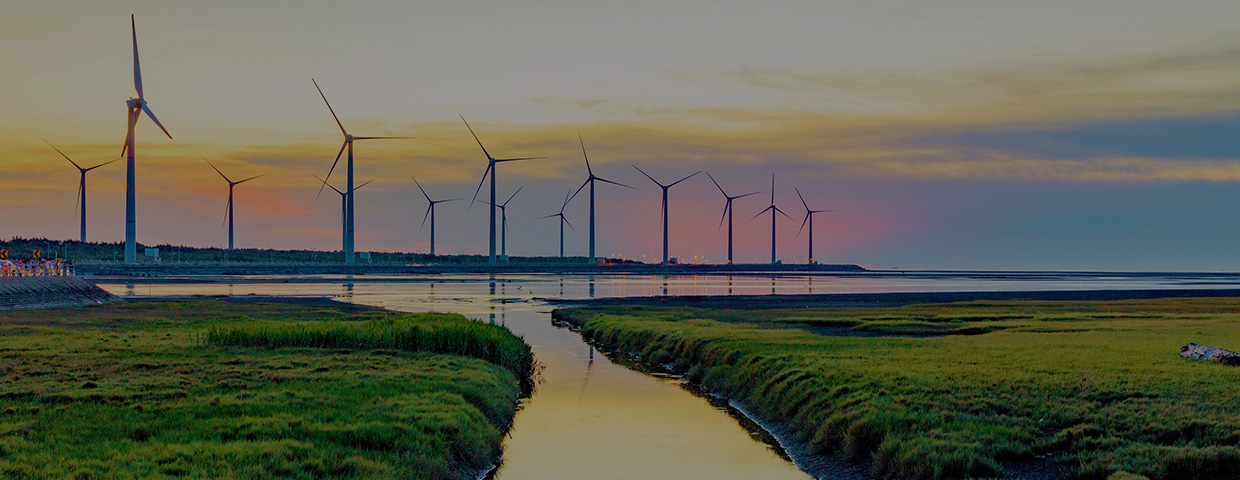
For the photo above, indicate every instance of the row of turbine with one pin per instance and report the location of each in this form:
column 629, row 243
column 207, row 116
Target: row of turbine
column 137, row 106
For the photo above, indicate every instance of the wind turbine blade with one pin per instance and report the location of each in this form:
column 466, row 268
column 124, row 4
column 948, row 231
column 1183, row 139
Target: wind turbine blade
column 772, row 189
column 686, row 178
column 216, row 169
column 102, row 164
column 151, row 114
column 803, row 222
column 330, row 170
column 515, row 159
column 334, row 188
column 359, row 187
column 781, row 212
column 712, row 179
column 67, row 157
column 125, row 146
column 549, row 216
column 449, row 200
column 415, row 182
column 723, row 217
column 601, row 179
column 137, row 70
column 662, row 209
column 760, row 213
column 256, row 176
column 514, row 194
column 656, row 182
column 227, row 209
column 565, row 204
column 377, row 138
column 77, row 202
column 471, row 132
column 806, row 205
column 583, row 185
column 583, row 154
column 745, row 195
column 428, row 214
column 329, row 107
column 480, row 182
column 566, row 222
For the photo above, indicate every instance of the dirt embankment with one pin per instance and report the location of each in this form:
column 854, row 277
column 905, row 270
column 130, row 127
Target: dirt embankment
column 26, row 293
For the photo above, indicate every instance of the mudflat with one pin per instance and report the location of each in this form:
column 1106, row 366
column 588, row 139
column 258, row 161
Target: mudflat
column 981, row 388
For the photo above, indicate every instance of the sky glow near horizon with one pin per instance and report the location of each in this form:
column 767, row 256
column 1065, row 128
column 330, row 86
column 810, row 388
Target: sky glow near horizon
column 994, row 135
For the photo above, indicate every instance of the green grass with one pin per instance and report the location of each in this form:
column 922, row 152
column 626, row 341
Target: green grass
column 1097, row 386
column 206, row 389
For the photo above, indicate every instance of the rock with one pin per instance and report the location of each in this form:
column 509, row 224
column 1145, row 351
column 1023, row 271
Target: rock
column 1208, row 353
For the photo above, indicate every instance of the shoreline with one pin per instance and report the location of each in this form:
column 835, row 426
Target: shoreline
column 846, row 300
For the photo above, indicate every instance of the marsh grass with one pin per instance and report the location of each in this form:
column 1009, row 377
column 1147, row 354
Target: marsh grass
column 140, row 390
column 1097, row 386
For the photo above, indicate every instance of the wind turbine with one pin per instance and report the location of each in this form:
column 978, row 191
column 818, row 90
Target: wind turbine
column 665, row 187
column 809, row 217
column 503, row 231
column 590, row 180
column 727, row 212
column 430, row 212
column 81, row 185
column 228, row 214
column 563, row 221
column 136, row 107
column 348, row 143
column 343, row 210
column 773, row 209
column 491, row 161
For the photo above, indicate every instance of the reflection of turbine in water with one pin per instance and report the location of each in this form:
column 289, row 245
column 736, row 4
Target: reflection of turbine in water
column 591, row 296
column 584, row 383
column 492, row 299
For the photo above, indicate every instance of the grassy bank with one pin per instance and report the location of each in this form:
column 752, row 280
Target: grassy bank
column 208, row 389
column 1097, row 387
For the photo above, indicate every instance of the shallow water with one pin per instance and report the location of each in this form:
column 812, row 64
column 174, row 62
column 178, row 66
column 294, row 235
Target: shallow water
column 592, row 418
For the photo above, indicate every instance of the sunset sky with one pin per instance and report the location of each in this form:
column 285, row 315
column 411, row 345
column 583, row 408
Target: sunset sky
column 1076, row 135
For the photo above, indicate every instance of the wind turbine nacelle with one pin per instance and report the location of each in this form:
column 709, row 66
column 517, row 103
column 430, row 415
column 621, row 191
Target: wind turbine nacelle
column 134, row 103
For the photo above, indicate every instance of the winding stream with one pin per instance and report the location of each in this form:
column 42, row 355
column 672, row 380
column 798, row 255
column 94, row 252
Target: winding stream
column 592, row 418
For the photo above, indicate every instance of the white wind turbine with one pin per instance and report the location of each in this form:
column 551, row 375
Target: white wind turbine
column 348, row 143
column 81, row 184
column 136, row 107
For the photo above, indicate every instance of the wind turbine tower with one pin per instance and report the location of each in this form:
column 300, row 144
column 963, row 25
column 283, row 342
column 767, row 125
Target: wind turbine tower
column 491, row 161
column 665, row 187
column 503, row 231
column 430, row 212
column 228, row 214
column 773, row 210
column 563, row 221
column 348, row 143
column 727, row 212
column 81, row 184
column 343, row 204
column 809, row 217
column 137, row 106
column 590, row 179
